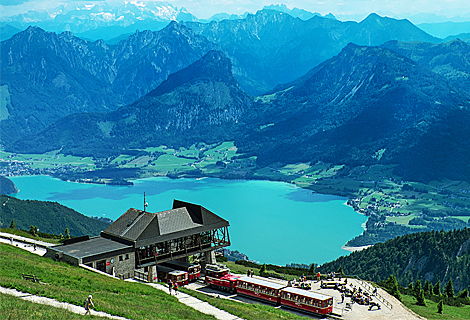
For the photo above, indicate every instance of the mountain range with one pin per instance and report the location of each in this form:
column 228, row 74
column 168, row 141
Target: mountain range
column 100, row 19
column 201, row 103
column 46, row 75
column 366, row 105
column 270, row 48
column 378, row 91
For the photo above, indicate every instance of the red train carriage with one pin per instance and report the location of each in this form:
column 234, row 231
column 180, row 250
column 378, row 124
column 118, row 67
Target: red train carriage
column 267, row 291
column 308, row 301
column 193, row 269
column 219, row 276
column 176, row 276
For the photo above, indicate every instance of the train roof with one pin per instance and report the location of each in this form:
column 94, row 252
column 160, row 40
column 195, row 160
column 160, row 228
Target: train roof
column 264, row 283
column 217, row 267
column 170, row 270
column 310, row 294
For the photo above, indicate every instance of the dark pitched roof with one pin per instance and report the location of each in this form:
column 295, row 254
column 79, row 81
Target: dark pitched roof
column 145, row 228
column 91, row 247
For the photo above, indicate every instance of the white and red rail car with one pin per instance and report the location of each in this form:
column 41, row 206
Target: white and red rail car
column 219, row 276
column 266, row 291
column 176, row 276
column 308, row 301
column 193, row 269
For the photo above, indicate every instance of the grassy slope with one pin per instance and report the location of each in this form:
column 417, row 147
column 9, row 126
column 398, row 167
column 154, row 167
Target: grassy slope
column 26, row 234
column 131, row 300
column 13, row 308
column 71, row 284
column 430, row 311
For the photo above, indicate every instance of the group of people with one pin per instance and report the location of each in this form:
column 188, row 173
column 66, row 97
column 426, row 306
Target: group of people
column 250, row 273
column 173, row 286
column 360, row 296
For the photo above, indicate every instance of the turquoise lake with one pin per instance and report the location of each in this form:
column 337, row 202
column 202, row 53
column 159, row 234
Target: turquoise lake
column 271, row 222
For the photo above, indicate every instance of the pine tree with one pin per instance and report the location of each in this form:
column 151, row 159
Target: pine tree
column 437, row 289
column 450, row 289
column 420, row 298
column 394, row 291
column 439, row 306
column 340, row 270
column 12, row 224
column 33, row 230
column 262, row 269
column 417, row 287
column 311, row 270
column 463, row 294
column 426, row 287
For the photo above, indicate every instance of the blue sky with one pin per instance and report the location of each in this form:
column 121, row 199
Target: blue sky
column 340, row 8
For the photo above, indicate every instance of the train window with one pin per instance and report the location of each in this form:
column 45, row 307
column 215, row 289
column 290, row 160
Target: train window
column 303, row 300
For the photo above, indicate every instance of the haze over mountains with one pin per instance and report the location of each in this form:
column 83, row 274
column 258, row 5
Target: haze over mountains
column 356, row 93
column 64, row 74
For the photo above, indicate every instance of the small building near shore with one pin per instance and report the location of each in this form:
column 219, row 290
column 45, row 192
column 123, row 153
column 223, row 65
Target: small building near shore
column 138, row 241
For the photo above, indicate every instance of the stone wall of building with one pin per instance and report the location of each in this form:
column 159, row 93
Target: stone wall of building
column 60, row 256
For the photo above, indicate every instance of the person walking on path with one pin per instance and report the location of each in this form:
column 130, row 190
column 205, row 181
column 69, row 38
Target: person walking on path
column 88, row 304
column 170, row 285
column 176, row 288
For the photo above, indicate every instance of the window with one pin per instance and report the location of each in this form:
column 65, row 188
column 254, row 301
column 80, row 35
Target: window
column 127, row 256
column 120, row 258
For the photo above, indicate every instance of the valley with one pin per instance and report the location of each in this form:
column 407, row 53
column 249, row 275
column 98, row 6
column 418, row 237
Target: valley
column 395, row 207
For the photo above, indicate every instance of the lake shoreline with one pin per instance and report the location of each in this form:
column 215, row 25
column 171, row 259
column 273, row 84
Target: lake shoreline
column 278, row 206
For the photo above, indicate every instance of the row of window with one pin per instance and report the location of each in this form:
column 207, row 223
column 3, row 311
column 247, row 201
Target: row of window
column 270, row 292
column 309, row 301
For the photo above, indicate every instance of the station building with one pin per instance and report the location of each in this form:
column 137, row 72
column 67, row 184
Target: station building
column 139, row 241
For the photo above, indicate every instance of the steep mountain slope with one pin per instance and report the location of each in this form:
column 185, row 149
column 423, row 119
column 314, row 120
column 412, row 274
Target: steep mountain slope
column 366, row 105
column 450, row 59
column 201, row 103
column 46, row 76
column 433, row 255
column 7, row 31
column 7, row 186
column 272, row 47
column 49, row 217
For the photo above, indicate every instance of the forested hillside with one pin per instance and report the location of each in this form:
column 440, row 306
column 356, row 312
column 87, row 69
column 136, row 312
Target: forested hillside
column 433, row 255
column 49, row 217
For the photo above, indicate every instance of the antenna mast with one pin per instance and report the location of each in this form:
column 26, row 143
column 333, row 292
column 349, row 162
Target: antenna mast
column 145, row 203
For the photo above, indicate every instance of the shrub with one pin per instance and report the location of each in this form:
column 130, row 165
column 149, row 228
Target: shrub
column 439, row 306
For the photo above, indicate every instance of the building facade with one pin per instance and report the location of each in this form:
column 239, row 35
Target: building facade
column 139, row 241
